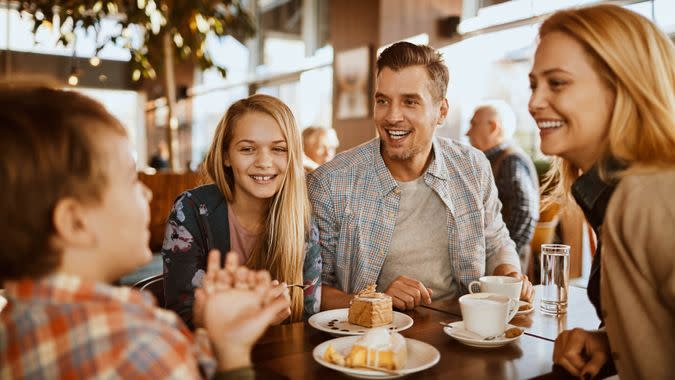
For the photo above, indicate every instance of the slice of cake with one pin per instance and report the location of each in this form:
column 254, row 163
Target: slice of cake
column 379, row 348
column 370, row 308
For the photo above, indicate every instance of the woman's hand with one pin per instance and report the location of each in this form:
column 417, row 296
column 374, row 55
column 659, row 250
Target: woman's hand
column 582, row 353
column 283, row 292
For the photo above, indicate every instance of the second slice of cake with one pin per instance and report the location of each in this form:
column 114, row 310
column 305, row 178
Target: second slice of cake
column 370, row 308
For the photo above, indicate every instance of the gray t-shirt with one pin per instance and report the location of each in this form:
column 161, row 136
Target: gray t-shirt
column 419, row 248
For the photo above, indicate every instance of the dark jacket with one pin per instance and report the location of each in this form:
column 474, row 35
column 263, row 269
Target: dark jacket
column 592, row 194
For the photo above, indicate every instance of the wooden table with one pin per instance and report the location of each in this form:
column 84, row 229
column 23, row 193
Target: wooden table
column 287, row 349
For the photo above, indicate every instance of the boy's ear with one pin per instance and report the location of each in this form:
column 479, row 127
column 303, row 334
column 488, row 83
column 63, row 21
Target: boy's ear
column 70, row 224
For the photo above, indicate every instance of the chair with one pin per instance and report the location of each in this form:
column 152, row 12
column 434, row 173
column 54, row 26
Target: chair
column 154, row 285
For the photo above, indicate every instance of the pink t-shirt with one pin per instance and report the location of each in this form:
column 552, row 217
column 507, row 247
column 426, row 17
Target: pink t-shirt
column 241, row 240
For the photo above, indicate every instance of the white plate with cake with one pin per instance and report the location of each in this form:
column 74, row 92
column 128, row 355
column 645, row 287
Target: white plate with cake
column 379, row 348
column 368, row 309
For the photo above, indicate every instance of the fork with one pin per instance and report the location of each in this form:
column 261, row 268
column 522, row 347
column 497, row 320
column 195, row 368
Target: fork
column 301, row 286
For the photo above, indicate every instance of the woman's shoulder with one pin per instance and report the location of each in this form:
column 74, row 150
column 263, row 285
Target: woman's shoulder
column 643, row 193
column 646, row 187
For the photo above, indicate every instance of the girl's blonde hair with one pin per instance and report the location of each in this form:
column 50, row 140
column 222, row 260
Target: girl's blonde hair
column 637, row 62
column 282, row 248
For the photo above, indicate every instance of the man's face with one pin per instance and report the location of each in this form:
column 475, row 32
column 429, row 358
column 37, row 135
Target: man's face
column 482, row 129
column 405, row 114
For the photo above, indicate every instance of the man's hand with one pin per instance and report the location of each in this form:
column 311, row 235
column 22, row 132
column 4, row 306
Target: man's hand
column 407, row 293
column 582, row 353
column 527, row 291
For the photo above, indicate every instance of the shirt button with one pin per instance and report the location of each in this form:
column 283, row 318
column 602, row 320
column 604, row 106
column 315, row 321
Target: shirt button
column 397, row 191
column 392, row 215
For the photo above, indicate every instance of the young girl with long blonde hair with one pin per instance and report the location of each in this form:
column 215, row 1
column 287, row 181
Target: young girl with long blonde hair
column 256, row 206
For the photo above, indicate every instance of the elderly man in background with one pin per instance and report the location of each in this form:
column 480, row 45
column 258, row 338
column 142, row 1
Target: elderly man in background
column 319, row 145
column 492, row 128
column 415, row 214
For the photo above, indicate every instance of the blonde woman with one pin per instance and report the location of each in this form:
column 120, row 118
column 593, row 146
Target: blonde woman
column 257, row 206
column 603, row 96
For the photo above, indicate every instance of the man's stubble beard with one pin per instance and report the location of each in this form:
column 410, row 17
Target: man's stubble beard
column 403, row 156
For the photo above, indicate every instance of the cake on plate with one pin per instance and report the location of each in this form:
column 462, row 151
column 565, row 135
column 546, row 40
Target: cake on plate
column 378, row 348
column 370, row 308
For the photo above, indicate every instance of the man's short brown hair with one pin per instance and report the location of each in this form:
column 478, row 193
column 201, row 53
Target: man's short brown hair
column 405, row 54
column 51, row 149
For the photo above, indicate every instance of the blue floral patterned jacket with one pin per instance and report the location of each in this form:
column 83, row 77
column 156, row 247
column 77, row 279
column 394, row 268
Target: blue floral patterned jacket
column 198, row 223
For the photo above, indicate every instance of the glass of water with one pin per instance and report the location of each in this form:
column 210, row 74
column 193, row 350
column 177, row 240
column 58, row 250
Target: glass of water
column 555, row 278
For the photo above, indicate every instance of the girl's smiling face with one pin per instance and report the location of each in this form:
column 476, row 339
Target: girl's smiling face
column 258, row 157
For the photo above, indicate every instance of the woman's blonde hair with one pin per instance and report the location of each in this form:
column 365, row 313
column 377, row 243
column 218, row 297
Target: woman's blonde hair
column 281, row 250
column 637, row 62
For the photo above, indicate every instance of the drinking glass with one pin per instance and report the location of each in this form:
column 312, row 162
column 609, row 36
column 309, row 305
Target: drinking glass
column 555, row 278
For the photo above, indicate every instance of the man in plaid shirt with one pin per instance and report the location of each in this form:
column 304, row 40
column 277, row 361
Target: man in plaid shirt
column 415, row 214
column 492, row 127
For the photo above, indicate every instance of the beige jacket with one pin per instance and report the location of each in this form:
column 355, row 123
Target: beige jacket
column 638, row 276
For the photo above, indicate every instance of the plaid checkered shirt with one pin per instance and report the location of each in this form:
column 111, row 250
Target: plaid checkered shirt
column 355, row 201
column 519, row 193
column 63, row 327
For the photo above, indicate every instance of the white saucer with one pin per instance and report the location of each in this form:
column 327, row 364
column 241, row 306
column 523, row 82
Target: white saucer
column 420, row 357
column 526, row 311
column 335, row 322
column 458, row 332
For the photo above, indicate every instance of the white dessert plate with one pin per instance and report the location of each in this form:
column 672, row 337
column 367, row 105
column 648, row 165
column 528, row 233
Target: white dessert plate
column 458, row 332
column 420, row 357
column 335, row 322
column 526, row 311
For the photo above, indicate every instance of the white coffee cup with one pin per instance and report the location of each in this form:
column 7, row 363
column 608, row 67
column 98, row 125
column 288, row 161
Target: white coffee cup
column 506, row 285
column 487, row 314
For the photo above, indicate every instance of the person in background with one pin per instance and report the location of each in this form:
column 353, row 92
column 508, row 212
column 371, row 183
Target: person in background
column 160, row 159
column 256, row 206
column 610, row 120
column 492, row 127
column 415, row 214
column 319, row 145
column 75, row 219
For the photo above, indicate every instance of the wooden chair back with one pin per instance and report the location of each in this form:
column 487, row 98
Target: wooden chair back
column 165, row 188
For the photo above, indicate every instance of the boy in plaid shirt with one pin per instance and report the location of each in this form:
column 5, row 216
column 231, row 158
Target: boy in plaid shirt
column 76, row 218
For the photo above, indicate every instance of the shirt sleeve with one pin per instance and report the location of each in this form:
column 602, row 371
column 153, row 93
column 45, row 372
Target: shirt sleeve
column 312, row 272
column 521, row 200
column 324, row 216
column 499, row 248
column 184, row 257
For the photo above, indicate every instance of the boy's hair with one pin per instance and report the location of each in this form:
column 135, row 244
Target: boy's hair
column 48, row 140
column 405, row 54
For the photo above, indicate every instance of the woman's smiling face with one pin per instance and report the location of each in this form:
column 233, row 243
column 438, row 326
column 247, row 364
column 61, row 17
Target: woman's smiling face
column 571, row 103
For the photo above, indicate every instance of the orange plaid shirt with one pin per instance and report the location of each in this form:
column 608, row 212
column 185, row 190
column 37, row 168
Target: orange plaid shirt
column 64, row 327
